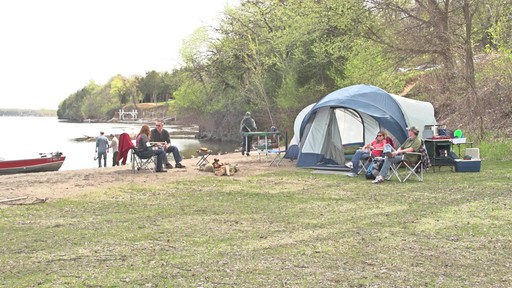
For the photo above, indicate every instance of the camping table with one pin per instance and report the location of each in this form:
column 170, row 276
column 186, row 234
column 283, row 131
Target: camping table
column 203, row 156
column 265, row 135
column 460, row 141
column 439, row 152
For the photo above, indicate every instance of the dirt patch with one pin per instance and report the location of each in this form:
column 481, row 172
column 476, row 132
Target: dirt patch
column 72, row 183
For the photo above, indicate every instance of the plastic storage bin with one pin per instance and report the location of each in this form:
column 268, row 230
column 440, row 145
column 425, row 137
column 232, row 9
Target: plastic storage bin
column 472, row 165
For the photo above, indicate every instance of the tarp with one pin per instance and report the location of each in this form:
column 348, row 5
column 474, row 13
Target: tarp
column 352, row 116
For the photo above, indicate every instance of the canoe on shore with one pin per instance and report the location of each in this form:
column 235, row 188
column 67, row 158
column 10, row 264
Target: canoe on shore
column 47, row 162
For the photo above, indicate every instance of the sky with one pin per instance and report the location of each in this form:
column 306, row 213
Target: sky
column 52, row 48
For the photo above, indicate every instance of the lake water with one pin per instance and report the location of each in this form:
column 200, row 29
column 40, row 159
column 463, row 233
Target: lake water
column 26, row 137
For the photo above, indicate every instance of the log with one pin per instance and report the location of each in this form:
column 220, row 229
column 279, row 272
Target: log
column 13, row 199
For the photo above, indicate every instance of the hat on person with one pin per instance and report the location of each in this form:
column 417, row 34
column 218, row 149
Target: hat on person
column 111, row 135
column 247, row 113
column 414, row 129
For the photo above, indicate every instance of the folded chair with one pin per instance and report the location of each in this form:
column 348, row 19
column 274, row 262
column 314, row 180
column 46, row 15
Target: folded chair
column 142, row 162
column 412, row 168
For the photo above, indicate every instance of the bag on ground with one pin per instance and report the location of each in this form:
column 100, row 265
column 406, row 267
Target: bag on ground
column 374, row 169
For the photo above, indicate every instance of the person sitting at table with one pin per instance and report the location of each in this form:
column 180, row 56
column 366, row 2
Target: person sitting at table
column 374, row 149
column 161, row 135
column 147, row 151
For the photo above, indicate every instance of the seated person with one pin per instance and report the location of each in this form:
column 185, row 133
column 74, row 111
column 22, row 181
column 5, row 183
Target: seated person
column 411, row 144
column 146, row 151
column 159, row 134
column 375, row 149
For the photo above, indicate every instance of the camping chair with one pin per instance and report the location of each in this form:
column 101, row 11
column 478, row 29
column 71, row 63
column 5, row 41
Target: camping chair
column 141, row 162
column 412, row 168
column 278, row 157
column 364, row 163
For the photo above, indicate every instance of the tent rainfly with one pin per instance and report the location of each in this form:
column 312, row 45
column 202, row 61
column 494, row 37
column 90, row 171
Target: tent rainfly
column 352, row 116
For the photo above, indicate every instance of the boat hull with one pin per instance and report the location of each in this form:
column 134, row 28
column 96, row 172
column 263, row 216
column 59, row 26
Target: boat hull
column 43, row 164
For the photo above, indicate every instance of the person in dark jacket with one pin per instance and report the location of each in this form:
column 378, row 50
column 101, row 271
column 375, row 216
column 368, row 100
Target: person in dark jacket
column 247, row 125
column 160, row 135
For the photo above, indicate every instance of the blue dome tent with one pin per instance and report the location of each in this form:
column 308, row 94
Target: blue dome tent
column 352, row 116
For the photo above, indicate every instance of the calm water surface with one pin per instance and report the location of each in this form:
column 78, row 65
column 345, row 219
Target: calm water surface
column 26, row 137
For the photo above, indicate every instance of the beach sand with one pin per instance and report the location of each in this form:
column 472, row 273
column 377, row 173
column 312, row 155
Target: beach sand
column 73, row 183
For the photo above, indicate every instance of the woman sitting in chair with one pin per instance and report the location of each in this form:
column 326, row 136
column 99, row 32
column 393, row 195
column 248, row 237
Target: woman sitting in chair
column 146, row 151
column 374, row 149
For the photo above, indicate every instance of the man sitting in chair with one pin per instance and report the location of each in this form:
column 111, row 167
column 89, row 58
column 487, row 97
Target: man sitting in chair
column 411, row 144
column 160, row 135
column 375, row 148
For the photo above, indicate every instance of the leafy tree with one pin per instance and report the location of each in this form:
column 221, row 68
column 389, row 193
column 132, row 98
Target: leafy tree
column 71, row 107
column 118, row 89
column 151, row 85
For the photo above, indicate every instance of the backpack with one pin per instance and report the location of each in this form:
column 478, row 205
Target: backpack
column 374, row 169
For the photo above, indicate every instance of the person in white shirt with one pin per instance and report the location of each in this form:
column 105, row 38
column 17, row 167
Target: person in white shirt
column 114, row 144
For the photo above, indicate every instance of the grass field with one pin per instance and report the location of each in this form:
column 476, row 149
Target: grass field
column 275, row 230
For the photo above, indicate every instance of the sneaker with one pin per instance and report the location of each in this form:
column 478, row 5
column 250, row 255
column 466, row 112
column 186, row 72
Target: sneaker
column 243, row 152
column 161, row 171
column 378, row 179
column 349, row 165
column 168, row 166
column 247, row 153
column 351, row 174
column 178, row 165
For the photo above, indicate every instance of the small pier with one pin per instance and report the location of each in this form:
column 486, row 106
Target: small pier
column 133, row 114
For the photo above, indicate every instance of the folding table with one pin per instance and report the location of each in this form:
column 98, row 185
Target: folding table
column 203, row 156
column 265, row 136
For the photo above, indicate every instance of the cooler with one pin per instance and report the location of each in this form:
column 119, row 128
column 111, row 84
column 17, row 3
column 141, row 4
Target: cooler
column 472, row 165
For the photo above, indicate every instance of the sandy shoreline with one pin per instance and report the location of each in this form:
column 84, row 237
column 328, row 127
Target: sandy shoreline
column 72, row 183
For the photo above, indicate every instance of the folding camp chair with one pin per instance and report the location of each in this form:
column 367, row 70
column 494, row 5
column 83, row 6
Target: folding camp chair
column 364, row 163
column 141, row 162
column 278, row 157
column 411, row 168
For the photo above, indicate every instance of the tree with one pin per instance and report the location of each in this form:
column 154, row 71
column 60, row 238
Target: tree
column 118, row 89
column 151, row 85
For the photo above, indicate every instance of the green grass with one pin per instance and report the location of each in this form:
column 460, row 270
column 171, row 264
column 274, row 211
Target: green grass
column 496, row 149
column 275, row 230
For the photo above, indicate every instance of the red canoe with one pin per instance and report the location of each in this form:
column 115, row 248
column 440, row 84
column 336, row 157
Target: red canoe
column 47, row 162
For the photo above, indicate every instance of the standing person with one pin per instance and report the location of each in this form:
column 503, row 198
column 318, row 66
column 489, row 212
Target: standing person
column 114, row 144
column 102, row 148
column 141, row 143
column 411, row 144
column 159, row 134
column 247, row 125
column 374, row 148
